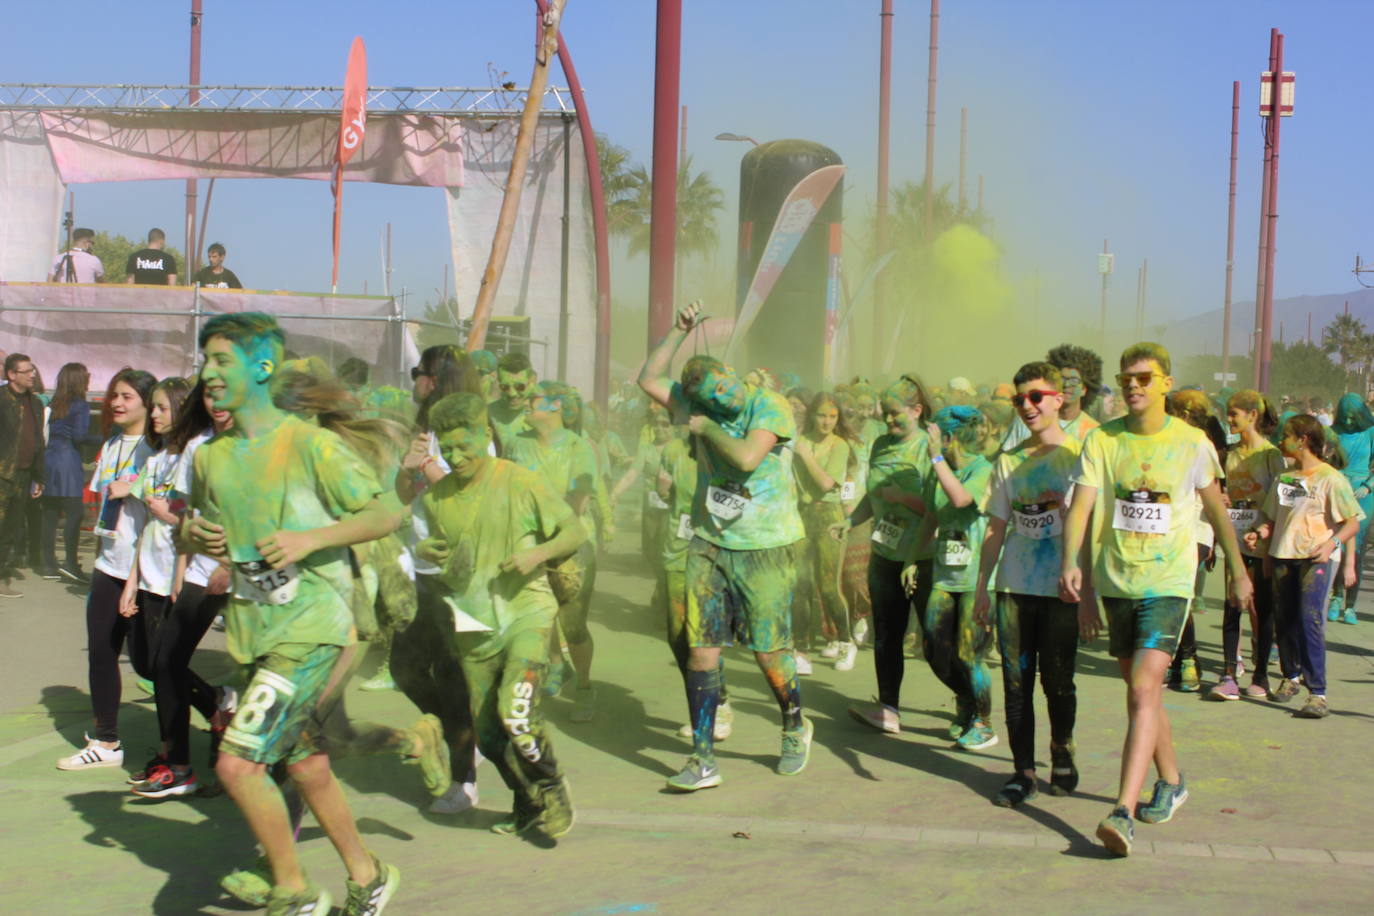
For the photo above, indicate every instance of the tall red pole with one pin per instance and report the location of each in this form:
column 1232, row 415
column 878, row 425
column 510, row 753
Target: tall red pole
column 1263, row 230
column 880, row 321
column 663, row 213
column 600, row 226
column 192, row 255
column 930, row 119
column 1230, row 235
column 1272, row 217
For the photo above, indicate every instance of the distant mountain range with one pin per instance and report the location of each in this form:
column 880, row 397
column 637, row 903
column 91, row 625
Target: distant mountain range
column 1202, row 333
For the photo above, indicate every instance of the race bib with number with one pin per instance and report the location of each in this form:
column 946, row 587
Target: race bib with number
column 1290, row 491
column 849, row 491
column 1243, row 519
column 684, row 527
column 957, row 551
column 255, row 581
column 656, row 501
column 1143, row 513
column 888, row 533
column 1036, row 522
column 725, row 503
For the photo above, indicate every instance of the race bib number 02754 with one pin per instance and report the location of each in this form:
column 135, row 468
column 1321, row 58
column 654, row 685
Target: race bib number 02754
column 726, row 505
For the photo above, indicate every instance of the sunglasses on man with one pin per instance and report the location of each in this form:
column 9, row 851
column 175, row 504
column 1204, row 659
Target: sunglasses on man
column 1035, row 396
column 1142, row 379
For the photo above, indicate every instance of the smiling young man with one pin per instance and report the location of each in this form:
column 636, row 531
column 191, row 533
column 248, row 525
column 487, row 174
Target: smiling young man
column 493, row 527
column 1080, row 370
column 741, row 574
column 1139, row 482
column 515, row 379
column 1031, row 493
column 282, row 499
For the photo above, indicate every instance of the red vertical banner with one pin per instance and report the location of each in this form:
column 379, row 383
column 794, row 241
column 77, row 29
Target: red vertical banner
column 352, row 123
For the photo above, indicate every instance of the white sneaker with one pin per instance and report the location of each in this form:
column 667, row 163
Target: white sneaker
column 845, row 661
column 725, row 724
column 459, row 798
column 92, row 756
column 803, row 663
column 831, row 650
column 861, row 631
column 883, row 718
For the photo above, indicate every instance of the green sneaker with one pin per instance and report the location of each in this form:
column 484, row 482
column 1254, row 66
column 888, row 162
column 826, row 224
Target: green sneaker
column 796, row 749
column 1284, row 692
column 963, row 714
column 371, row 899
column 518, row 821
column 1167, row 799
column 558, row 815
column 1189, row 681
column 695, row 774
column 978, row 736
column 313, row 901
column 146, row 686
column 1349, row 617
column 1333, row 610
column 382, row 680
column 1117, row 832
column 250, row 885
column 433, row 758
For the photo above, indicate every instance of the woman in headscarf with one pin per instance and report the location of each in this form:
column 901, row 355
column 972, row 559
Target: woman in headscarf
column 1354, row 428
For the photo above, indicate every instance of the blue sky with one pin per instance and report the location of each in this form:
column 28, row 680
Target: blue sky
column 1088, row 119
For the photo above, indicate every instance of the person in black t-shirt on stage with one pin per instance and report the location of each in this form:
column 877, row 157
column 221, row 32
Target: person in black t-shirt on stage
column 152, row 266
column 216, row 274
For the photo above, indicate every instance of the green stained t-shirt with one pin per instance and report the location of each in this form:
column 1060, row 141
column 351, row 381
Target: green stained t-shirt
column 506, row 423
column 505, row 509
column 906, row 466
column 1031, row 493
column 567, row 464
column 1144, row 527
column 961, row 530
column 746, row 510
column 832, row 454
column 679, row 464
column 297, row 477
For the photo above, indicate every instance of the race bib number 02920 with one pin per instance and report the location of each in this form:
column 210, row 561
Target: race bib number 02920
column 257, row 582
column 1036, row 522
column 1142, row 517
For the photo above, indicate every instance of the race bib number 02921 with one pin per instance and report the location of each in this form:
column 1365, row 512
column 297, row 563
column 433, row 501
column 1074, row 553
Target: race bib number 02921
column 1142, row 517
column 257, row 582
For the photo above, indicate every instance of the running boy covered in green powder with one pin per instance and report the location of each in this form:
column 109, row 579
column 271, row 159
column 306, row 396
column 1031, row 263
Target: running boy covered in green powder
column 282, row 499
column 493, row 526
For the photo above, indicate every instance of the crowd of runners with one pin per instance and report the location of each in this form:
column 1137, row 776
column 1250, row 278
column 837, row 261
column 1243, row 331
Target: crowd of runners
column 970, row 527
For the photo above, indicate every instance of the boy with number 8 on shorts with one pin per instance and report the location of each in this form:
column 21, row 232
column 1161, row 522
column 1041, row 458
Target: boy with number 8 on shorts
column 493, row 525
column 282, row 500
column 1139, row 481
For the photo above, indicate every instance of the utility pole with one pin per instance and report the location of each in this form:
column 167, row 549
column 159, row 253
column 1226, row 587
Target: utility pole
column 1258, row 333
column 663, row 211
column 963, row 157
column 1278, row 82
column 928, row 221
column 880, row 317
column 1139, row 294
column 980, row 193
column 681, row 164
column 1104, row 267
column 192, row 254
column 1230, row 232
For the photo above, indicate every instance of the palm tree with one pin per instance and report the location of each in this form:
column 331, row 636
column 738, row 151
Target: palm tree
column 1343, row 337
column 699, row 201
column 620, row 181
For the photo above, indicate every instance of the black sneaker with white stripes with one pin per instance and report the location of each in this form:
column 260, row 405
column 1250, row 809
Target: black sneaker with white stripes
column 371, row 899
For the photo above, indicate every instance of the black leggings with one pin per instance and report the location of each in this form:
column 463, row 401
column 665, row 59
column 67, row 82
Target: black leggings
column 1263, row 641
column 181, row 626
column 891, row 617
column 71, row 510
column 1031, row 631
column 425, row 666
column 106, row 631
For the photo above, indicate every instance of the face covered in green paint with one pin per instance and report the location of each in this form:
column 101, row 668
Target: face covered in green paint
column 465, row 449
column 545, row 411
column 516, row 388
column 721, row 392
column 902, row 420
column 231, row 373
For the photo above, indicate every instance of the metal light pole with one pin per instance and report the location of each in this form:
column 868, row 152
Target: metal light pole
column 1277, row 112
column 1263, row 231
column 1104, row 267
column 1230, row 232
column 192, row 255
column 663, row 211
column 739, row 137
column 963, row 158
column 880, row 321
column 930, row 119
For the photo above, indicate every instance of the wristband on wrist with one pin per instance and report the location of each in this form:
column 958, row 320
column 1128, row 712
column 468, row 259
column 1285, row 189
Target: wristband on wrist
column 936, row 459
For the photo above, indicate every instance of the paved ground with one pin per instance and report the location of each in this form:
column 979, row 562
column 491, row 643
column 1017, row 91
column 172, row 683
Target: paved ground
column 1279, row 820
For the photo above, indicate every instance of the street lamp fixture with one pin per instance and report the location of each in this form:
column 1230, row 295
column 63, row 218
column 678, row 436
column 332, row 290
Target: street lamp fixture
column 739, row 137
